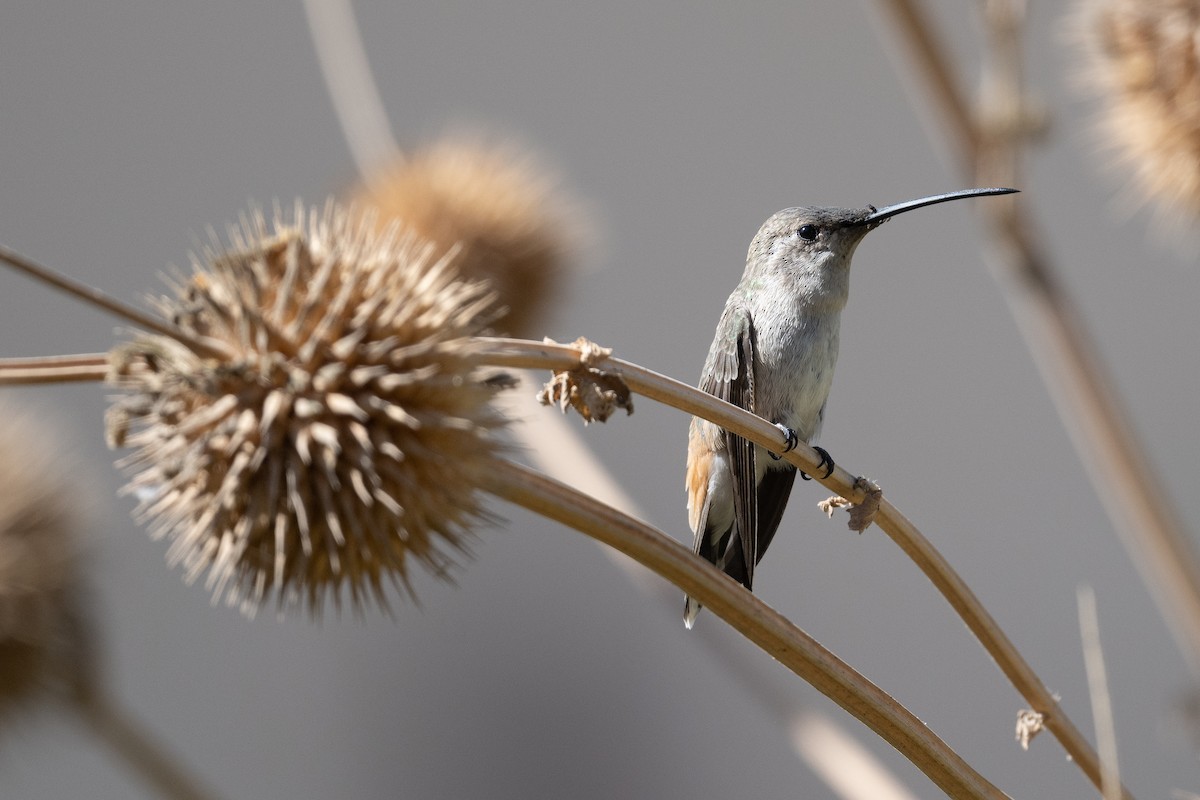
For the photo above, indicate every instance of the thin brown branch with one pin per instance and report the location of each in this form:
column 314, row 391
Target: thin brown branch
column 754, row 619
column 141, row 751
column 94, row 297
column 848, row 768
column 524, row 354
column 53, row 369
column 929, row 57
column 532, row 355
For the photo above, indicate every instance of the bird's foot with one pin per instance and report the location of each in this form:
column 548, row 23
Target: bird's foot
column 825, row 461
column 790, row 440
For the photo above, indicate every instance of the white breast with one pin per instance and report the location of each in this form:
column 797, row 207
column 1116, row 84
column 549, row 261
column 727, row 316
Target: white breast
column 796, row 353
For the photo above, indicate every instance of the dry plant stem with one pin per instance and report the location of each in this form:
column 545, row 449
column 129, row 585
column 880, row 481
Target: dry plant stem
column 356, row 100
column 750, row 616
column 1022, row 676
column 95, row 297
column 848, row 768
column 531, row 355
column 94, row 367
column 527, row 354
column 1083, row 393
column 53, row 369
column 928, row 54
column 1102, row 713
column 137, row 748
column 523, row 354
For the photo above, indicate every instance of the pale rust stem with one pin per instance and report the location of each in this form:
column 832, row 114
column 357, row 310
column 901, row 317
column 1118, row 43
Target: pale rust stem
column 89, row 367
column 517, row 353
column 138, row 749
column 523, row 354
column 94, row 297
column 850, row 770
column 929, row 58
column 755, row 620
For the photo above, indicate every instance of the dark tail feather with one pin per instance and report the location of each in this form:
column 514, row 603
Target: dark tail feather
column 773, row 494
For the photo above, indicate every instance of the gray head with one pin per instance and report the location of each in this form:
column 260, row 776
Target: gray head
column 813, row 245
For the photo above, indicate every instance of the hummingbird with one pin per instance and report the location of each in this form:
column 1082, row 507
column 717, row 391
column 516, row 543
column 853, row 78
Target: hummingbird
column 773, row 354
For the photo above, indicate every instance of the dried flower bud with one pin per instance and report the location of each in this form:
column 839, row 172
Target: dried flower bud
column 344, row 430
column 593, row 393
column 497, row 206
column 1143, row 59
column 37, row 561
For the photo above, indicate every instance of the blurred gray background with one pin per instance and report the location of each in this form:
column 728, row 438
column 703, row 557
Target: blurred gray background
column 127, row 127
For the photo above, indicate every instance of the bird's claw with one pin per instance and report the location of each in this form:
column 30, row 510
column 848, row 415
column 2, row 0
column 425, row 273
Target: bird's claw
column 790, row 440
column 825, row 461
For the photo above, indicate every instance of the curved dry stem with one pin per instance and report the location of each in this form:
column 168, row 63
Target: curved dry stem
column 356, row 99
column 849, row 769
column 1115, row 460
column 138, row 748
column 523, row 354
column 758, row 622
column 532, row 355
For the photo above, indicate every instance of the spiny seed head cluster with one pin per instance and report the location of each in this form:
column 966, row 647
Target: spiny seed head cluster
column 497, row 206
column 1143, row 60
column 37, row 561
column 343, row 430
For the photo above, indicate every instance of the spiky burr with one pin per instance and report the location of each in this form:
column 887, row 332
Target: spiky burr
column 341, row 432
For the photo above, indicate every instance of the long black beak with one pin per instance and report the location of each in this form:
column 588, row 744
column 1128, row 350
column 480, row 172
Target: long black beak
column 877, row 216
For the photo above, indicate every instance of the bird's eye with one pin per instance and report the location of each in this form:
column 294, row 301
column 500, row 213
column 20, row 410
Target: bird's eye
column 808, row 232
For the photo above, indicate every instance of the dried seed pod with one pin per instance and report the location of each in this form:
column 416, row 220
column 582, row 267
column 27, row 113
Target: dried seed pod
column 494, row 203
column 344, row 430
column 37, row 562
column 1142, row 58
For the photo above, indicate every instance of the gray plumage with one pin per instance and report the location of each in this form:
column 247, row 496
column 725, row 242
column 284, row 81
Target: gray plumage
column 774, row 353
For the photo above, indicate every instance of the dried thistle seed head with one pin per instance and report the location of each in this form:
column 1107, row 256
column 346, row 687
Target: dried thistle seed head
column 1142, row 57
column 514, row 229
column 344, row 432
column 37, row 561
